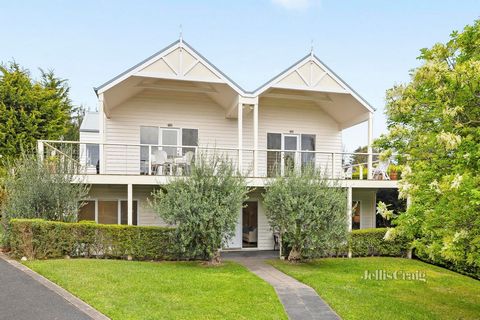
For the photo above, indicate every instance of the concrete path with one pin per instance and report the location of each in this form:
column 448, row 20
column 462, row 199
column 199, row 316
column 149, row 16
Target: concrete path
column 300, row 301
column 25, row 295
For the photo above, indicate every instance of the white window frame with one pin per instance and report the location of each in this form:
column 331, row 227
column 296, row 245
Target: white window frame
column 119, row 209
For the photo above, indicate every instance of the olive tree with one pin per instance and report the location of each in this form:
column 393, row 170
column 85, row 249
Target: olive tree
column 42, row 189
column 309, row 212
column 204, row 206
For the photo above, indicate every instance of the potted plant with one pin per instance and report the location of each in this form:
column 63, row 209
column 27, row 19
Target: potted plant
column 393, row 172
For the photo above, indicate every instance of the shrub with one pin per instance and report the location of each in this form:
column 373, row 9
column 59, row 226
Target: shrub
column 308, row 212
column 40, row 239
column 204, row 208
column 371, row 242
column 34, row 189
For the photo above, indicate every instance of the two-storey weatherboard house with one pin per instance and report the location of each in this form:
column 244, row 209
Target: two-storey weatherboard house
column 154, row 118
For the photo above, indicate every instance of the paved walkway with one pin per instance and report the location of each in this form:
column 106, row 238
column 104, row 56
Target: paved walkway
column 300, row 301
column 24, row 295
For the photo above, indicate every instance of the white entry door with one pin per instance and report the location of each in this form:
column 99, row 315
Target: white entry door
column 291, row 154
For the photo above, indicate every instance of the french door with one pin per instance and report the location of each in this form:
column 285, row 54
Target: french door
column 291, row 153
column 171, row 137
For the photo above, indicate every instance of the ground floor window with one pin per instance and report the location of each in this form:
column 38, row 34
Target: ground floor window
column 87, row 211
column 108, row 211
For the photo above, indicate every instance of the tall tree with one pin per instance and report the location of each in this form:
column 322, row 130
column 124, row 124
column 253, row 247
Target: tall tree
column 31, row 110
column 434, row 125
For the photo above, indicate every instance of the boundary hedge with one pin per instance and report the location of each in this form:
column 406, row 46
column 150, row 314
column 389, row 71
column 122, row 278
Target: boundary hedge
column 370, row 242
column 41, row 239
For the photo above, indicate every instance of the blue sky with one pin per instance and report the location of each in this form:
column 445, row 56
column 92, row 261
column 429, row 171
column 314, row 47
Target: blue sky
column 370, row 44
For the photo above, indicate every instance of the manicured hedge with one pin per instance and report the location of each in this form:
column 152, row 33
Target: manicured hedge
column 40, row 239
column 370, row 242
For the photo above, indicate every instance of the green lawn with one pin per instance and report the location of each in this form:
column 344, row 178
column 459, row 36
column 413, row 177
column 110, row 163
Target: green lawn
column 444, row 294
column 164, row 290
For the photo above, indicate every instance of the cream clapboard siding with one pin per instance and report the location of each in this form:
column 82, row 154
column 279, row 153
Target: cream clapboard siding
column 184, row 110
column 367, row 200
column 301, row 117
column 146, row 215
column 198, row 111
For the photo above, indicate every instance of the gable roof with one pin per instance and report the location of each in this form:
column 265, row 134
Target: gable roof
column 335, row 81
column 328, row 74
column 160, row 55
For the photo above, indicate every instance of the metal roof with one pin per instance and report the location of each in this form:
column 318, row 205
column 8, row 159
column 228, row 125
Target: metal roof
column 90, row 122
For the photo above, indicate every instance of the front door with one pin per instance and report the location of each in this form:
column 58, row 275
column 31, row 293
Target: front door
column 290, row 155
column 250, row 225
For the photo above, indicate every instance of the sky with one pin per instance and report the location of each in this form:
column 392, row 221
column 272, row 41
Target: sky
column 372, row 45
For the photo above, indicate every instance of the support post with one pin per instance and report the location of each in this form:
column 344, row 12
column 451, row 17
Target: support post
column 130, row 204
column 149, row 160
column 40, row 150
column 349, row 208
column 370, row 142
column 101, row 117
column 240, row 137
column 255, row 140
column 333, row 165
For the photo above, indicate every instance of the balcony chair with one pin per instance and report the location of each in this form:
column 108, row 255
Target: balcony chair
column 185, row 162
column 348, row 172
column 159, row 161
column 380, row 171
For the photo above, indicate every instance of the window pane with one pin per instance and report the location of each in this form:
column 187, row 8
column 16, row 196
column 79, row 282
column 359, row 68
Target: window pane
column 149, row 135
column 274, row 141
column 190, row 137
column 108, row 212
column 87, row 211
column 308, row 143
column 124, row 212
column 93, row 154
column 290, row 143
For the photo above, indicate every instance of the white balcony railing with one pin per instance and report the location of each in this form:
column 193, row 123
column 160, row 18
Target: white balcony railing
column 143, row 159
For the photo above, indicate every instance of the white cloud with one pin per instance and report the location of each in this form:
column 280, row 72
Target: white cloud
column 296, row 4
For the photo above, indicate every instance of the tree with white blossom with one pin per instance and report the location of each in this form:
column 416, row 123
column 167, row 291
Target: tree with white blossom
column 434, row 127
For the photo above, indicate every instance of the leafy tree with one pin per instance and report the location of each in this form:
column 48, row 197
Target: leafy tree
column 308, row 212
column 31, row 110
column 42, row 189
column 434, row 126
column 204, row 207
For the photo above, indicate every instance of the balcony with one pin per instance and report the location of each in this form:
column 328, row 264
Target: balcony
column 111, row 159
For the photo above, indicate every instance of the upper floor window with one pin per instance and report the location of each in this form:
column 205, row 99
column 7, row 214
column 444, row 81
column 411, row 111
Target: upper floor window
column 93, row 154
